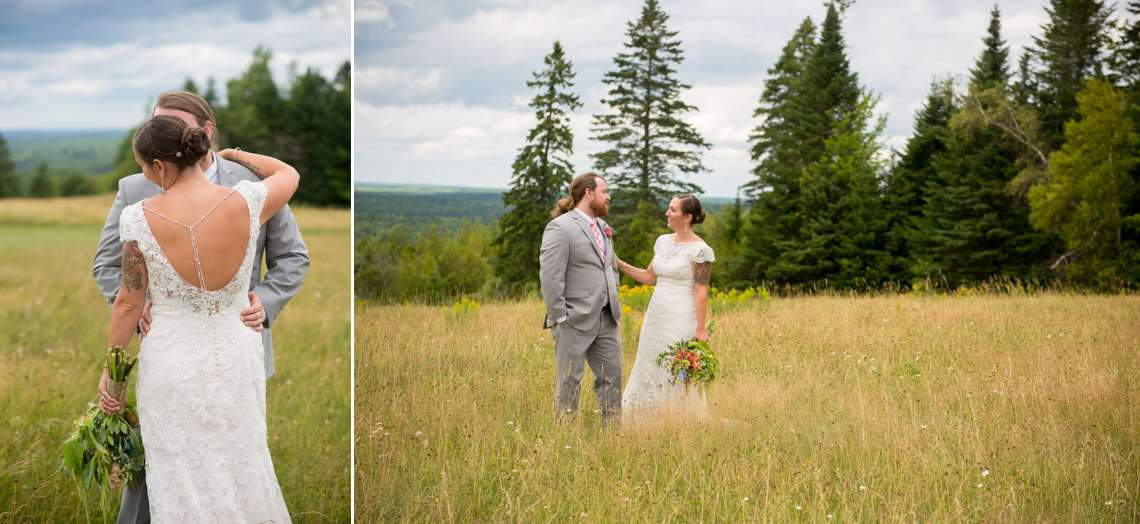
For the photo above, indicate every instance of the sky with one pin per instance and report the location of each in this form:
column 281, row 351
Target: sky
column 440, row 93
column 78, row 64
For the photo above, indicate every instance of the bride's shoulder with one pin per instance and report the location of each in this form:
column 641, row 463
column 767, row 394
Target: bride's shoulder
column 255, row 190
column 702, row 251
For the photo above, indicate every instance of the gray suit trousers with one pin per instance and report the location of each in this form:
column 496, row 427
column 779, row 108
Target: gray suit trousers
column 600, row 346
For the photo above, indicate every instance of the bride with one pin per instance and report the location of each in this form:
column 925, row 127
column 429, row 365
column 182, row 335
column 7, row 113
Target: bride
column 680, row 272
column 201, row 374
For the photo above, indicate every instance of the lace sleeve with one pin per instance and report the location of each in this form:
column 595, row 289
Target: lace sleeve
column 704, row 254
column 130, row 223
column 255, row 193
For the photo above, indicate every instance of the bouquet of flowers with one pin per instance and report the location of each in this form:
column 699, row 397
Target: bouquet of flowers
column 106, row 448
column 690, row 361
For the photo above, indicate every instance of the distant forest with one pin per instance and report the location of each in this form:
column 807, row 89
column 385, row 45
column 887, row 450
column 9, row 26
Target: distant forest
column 306, row 124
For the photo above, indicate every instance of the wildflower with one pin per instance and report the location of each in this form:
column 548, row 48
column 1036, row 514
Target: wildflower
column 862, row 488
column 510, row 423
column 798, row 507
column 419, row 434
column 980, row 485
column 985, row 473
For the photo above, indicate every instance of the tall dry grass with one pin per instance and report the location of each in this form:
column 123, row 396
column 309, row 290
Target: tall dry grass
column 983, row 408
column 53, row 328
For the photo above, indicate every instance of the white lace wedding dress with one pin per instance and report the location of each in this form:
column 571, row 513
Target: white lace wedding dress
column 201, row 390
column 670, row 318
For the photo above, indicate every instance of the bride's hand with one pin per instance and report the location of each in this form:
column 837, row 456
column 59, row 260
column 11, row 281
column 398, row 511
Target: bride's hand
column 702, row 335
column 228, row 154
column 107, row 402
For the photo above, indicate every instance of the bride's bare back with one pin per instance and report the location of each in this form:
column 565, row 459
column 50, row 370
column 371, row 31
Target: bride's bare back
column 213, row 221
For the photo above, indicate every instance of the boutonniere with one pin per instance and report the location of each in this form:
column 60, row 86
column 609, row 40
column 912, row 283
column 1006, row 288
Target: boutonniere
column 609, row 231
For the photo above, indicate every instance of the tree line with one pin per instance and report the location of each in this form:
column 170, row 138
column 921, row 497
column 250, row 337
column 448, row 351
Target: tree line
column 1025, row 173
column 306, row 124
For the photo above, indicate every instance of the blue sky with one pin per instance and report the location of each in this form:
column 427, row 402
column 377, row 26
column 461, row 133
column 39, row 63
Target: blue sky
column 72, row 64
column 441, row 86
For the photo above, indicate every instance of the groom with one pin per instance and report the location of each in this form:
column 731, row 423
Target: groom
column 579, row 278
column 279, row 243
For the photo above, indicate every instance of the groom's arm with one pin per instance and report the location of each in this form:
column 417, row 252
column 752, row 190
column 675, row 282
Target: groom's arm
column 553, row 258
column 108, row 264
column 287, row 262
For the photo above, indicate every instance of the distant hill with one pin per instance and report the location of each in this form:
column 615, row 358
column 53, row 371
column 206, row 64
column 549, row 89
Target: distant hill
column 90, row 152
column 380, row 207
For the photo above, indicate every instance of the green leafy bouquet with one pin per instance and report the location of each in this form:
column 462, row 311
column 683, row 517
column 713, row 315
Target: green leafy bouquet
column 106, row 448
column 690, row 361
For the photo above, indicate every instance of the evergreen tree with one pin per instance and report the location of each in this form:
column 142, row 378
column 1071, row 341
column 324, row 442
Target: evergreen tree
column 317, row 144
column 541, row 172
column 1090, row 178
column 829, row 93
column 971, row 226
column 253, row 108
column 43, row 185
column 1125, row 58
column 992, row 67
column 650, row 147
column 844, row 232
column 774, row 214
column 830, row 116
column 908, row 181
column 8, row 181
column 1024, row 89
column 1070, row 50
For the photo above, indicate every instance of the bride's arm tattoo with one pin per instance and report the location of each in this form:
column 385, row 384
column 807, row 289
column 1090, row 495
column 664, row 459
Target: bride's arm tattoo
column 134, row 266
column 702, row 273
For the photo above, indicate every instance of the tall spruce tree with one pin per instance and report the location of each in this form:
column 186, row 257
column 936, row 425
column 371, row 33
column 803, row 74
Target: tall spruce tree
column 775, row 214
column 845, row 226
column 542, row 170
column 1070, row 50
column 908, row 181
column 972, row 227
column 652, row 149
column 992, row 67
column 8, row 181
column 831, row 116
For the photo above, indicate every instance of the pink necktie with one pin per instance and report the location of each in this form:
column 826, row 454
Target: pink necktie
column 597, row 238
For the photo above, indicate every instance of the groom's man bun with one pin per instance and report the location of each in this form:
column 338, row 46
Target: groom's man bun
column 578, row 189
column 169, row 139
column 191, row 103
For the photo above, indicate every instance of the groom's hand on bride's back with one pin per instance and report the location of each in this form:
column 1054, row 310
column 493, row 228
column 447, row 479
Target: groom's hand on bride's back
column 254, row 315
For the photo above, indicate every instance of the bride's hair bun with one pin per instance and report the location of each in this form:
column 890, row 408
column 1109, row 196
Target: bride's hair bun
column 195, row 144
column 691, row 205
column 170, row 139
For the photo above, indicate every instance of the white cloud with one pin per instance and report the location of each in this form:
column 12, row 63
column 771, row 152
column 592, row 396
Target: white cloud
column 109, row 85
column 487, row 54
column 399, row 83
column 373, row 12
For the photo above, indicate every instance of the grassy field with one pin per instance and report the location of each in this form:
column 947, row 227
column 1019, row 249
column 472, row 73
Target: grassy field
column 53, row 325
column 940, row 409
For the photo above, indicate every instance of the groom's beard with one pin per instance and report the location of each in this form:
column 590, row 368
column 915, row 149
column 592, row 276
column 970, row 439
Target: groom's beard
column 600, row 210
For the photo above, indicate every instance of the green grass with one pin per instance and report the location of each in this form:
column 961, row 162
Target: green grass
column 828, row 409
column 53, row 324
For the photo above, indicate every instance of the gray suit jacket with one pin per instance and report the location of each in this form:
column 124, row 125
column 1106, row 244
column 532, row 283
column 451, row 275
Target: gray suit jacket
column 576, row 282
column 279, row 243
